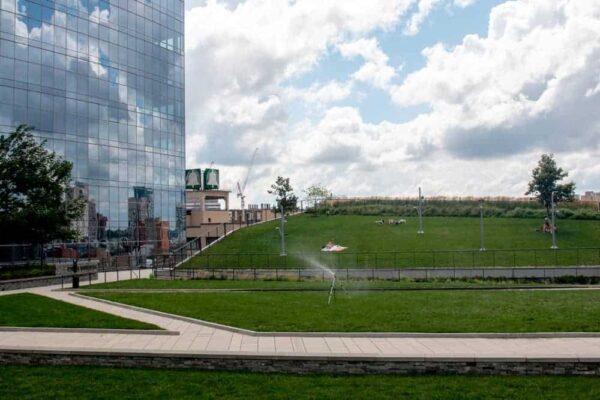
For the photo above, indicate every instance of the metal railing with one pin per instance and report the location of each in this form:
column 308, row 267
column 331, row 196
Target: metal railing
column 402, row 259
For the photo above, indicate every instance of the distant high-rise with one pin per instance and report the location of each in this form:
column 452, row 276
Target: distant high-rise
column 103, row 83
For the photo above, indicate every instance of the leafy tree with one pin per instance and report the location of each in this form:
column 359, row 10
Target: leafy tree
column 284, row 194
column 316, row 193
column 545, row 179
column 35, row 205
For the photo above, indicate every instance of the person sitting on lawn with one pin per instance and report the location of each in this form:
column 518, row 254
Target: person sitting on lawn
column 547, row 228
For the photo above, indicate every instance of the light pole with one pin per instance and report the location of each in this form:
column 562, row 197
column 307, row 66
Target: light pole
column 281, row 230
column 420, row 210
column 481, row 232
column 553, row 227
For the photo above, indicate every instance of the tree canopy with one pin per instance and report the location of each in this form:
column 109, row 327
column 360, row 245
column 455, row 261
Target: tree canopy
column 545, row 179
column 34, row 185
column 284, row 194
column 316, row 192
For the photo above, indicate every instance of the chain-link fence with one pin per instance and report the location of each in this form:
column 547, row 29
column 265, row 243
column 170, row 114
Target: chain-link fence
column 402, row 259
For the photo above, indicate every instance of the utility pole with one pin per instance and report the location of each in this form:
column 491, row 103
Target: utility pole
column 554, row 246
column 481, row 232
column 282, row 229
column 420, row 210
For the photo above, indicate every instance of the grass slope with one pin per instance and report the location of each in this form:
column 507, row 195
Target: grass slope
column 421, row 311
column 306, row 234
column 115, row 383
column 30, row 310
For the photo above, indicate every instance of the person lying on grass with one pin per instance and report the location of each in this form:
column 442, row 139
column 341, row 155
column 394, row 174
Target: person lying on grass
column 332, row 247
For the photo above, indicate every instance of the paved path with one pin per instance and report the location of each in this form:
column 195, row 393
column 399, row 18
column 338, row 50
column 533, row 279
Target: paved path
column 198, row 338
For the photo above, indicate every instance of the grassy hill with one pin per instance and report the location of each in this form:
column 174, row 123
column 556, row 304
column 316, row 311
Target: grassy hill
column 306, row 234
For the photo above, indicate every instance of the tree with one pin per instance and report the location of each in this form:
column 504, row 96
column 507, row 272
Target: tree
column 545, row 179
column 284, row 194
column 34, row 184
column 316, row 193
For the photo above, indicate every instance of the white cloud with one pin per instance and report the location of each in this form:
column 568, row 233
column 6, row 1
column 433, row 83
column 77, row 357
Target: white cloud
column 321, row 94
column 239, row 54
column 522, row 87
column 425, row 7
column 463, row 3
column 375, row 70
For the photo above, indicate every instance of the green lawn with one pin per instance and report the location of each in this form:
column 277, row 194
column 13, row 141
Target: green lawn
column 305, row 235
column 19, row 382
column 407, row 311
column 30, row 310
column 309, row 284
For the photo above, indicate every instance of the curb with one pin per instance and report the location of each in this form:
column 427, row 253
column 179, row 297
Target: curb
column 296, row 356
column 89, row 330
column 339, row 289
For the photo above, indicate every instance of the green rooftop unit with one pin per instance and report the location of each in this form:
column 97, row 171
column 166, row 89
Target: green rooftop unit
column 211, row 179
column 193, row 179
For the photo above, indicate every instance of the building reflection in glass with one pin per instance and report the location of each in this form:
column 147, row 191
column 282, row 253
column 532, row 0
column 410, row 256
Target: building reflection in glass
column 103, row 83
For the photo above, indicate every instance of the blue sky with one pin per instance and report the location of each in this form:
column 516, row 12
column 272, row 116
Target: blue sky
column 445, row 25
column 341, row 93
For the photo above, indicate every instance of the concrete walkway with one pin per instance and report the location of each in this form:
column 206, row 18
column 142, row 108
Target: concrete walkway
column 203, row 338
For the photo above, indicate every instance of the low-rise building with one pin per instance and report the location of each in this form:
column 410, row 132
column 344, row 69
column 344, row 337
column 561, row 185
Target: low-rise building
column 209, row 217
column 590, row 196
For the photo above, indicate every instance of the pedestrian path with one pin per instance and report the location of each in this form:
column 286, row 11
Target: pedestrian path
column 204, row 338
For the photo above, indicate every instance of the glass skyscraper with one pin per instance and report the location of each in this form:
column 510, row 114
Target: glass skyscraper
column 103, row 83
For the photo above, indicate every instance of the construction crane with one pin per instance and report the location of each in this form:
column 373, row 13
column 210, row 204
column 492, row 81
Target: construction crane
column 242, row 188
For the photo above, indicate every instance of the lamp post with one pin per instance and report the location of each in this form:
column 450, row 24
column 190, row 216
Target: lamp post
column 553, row 227
column 281, row 230
column 481, row 232
column 420, row 211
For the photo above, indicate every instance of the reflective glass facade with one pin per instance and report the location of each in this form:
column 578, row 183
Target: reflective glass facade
column 103, row 83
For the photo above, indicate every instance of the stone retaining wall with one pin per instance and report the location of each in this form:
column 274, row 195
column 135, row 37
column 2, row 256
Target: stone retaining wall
column 66, row 268
column 382, row 273
column 15, row 284
column 307, row 365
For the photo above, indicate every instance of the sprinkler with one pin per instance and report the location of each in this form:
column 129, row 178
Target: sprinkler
column 332, row 290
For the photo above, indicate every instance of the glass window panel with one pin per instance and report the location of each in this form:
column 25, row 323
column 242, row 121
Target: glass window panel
column 47, row 76
column 7, row 48
column 9, row 5
column 71, row 150
column 34, row 99
column 7, row 68
column 21, row 71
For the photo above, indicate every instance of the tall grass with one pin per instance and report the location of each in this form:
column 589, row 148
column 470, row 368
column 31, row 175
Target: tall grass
column 454, row 207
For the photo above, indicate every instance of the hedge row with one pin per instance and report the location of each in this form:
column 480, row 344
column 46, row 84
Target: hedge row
column 451, row 208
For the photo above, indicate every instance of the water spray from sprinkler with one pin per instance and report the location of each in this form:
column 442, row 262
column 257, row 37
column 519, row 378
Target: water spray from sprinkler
column 317, row 264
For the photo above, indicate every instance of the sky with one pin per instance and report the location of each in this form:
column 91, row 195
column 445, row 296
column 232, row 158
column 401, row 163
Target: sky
column 379, row 97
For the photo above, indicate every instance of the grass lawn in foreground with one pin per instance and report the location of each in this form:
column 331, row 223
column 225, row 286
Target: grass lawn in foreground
column 306, row 235
column 117, row 383
column 30, row 310
column 412, row 311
